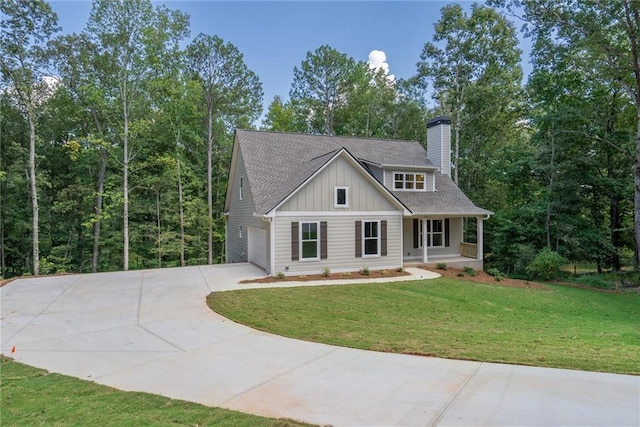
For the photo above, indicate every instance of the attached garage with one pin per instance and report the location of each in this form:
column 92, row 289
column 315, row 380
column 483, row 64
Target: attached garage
column 257, row 247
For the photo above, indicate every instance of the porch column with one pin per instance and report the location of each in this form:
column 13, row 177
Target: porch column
column 425, row 257
column 480, row 236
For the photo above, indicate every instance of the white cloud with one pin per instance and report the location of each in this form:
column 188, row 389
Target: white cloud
column 378, row 60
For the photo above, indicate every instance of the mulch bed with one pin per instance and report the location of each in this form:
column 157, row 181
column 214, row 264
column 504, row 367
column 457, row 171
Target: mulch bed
column 373, row 274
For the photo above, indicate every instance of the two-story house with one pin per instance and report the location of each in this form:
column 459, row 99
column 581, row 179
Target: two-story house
column 298, row 204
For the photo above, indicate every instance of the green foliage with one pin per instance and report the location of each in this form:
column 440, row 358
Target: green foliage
column 547, row 265
column 469, row 271
column 280, row 275
column 364, row 271
column 326, row 272
column 441, row 266
column 594, row 281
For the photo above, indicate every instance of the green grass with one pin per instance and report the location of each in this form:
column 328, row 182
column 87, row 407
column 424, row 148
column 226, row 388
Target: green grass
column 31, row 396
column 560, row 327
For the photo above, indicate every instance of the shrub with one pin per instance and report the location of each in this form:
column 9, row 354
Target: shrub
column 495, row 273
column 326, row 272
column 364, row 271
column 441, row 266
column 280, row 275
column 347, row 274
column 460, row 274
column 384, row 272
column 547, row 265
column 469, row 271
column 595, row 281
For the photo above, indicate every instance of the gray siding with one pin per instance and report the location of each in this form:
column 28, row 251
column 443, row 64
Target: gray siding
column 455, row 237
column 439, row 147
column 340, row 245
column 241, row 213
column 317, row 195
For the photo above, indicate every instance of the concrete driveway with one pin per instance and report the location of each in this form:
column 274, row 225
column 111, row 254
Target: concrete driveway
column 152, row 331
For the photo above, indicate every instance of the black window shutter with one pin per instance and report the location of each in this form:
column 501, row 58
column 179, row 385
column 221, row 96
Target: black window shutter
column 295, row 248
column 383, row 238
column 323, row 240
column 416, row 233
column 358, row 239
column 446, row 232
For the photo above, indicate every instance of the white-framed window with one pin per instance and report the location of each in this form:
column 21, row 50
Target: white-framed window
column 341, row 197
column 435, row 233
column 309, row 241
column 241, row 188
column 370, row 238
column 240, row 230
column 408, row 181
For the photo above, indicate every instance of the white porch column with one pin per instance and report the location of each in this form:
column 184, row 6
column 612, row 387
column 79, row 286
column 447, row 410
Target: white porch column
column 480, row 236
column 425, row 256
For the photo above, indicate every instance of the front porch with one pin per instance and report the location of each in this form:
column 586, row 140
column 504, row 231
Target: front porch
column 433, row 241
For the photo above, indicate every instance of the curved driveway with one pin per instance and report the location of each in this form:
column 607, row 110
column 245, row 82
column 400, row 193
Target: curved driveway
column 152, row 331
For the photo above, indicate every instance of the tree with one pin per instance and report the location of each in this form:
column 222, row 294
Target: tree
column 232, row 94
column 607, row 33
column 27, row 27
column 127, row 34
column 473, row 61
column 321, row 85
column 282, row 117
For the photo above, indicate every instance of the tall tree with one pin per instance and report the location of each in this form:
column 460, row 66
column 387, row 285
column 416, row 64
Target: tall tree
column 608, row 35
column 472, row 58
column 320, row 86
column 27, row 26
column 127, row 33
column 232, row 94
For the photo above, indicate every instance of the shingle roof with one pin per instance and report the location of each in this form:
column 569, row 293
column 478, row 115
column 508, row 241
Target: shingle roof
column 277, row 163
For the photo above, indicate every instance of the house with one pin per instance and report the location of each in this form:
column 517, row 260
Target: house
column 298, row 204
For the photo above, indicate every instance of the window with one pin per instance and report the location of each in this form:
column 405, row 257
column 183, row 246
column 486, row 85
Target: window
column 371, row 238
column 241, row 188
column 435, row 233
column 240, row 231
column 408, row 181
column 309, row 240
column 341, row 197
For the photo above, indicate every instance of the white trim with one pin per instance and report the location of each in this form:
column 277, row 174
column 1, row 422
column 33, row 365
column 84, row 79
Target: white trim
column 294, row 214
column 378, row 238
column 241, row 189
column 418, row 168
column 430, row 233
column 272, row 246
column 335, row 197
column 300, row 246
column 240, row 231
column 414, row 182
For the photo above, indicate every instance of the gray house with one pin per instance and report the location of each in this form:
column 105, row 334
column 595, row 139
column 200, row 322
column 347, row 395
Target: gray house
column 297, row 204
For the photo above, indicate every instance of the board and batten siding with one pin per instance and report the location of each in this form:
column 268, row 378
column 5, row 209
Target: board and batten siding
column 318, row 194
column 388, row 178
column 241, row 213
column 341, row 232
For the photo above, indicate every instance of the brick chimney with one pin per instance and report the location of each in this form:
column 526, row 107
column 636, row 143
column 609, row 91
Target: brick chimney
column 439, row 143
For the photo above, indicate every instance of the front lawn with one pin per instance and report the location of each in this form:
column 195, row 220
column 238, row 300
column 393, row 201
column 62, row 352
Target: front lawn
column 32, row 396
column 559, row 326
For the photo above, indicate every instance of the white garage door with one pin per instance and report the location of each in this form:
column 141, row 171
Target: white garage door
column 257, row 246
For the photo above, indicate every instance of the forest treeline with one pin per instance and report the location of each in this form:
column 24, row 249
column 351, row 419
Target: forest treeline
column 116, row 141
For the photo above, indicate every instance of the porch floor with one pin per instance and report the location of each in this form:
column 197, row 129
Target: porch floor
column 451, row 261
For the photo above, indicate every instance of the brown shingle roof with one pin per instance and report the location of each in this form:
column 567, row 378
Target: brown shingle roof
column 277, row 163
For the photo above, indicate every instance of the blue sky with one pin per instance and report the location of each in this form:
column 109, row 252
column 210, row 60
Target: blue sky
column 274, row 37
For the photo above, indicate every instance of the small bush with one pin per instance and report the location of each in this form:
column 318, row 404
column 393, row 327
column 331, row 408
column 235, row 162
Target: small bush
column 547, row 265
column 460, row 274
column 326, row 272
column 595, row 281
column 384, row 272
column 469, row 271
column 497, row 274
column 280, row 275
column 441, row 266
column 364, row 271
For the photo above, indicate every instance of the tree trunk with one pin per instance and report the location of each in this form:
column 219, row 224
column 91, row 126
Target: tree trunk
column 181, row 210
column 551, row 182
column 159, row 229
column 104, row 155
column 209, row 179
column 34, row 192
column 637, row 185
column 125, row 181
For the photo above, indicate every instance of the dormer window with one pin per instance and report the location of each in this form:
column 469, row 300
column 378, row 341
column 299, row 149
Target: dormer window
column 408, row 181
